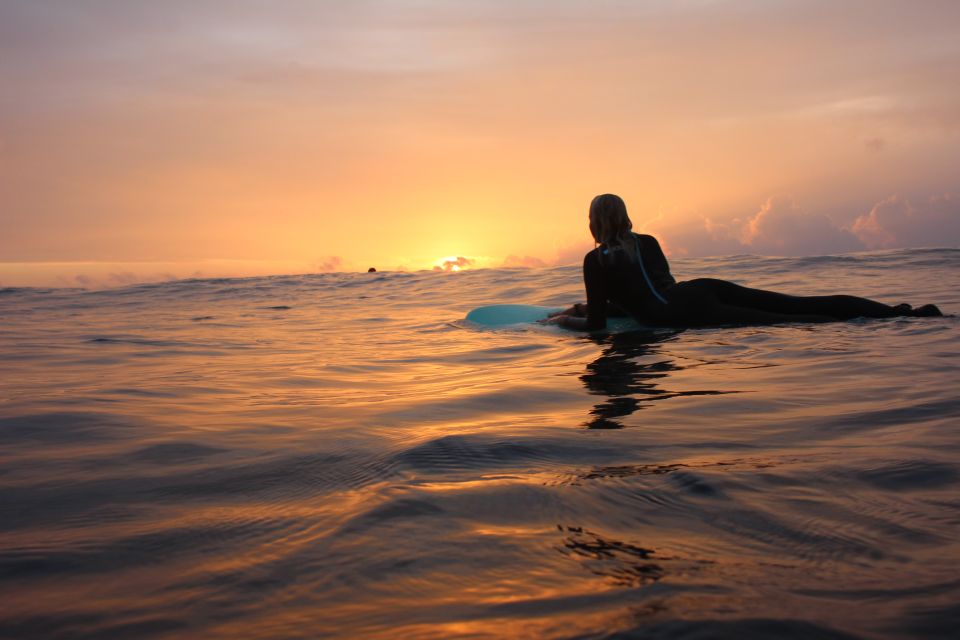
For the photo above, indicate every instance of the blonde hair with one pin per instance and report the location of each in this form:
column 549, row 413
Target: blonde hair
column 611, row 226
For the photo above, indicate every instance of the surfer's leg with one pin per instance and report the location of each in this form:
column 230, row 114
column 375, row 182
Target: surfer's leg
column 707, row 301
column 721, row 313
column 838, row 307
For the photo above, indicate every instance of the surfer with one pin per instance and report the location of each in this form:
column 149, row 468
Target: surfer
column 629, row 272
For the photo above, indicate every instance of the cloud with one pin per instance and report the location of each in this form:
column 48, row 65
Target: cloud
column 123, row 278
column 331, row 263
column 454, row 264
column 779, row 227
column 529, row 262
column 111, row 279
column 171, row 131
column 698, row 237
column 783, row 228
column 898, row 222
column 85, row 281
column 573, row 254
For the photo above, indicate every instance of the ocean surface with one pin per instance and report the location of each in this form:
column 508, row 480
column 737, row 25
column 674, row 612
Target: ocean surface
column 342, row 455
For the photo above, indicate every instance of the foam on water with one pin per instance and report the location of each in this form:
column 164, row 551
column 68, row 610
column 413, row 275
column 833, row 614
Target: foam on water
column 341, row 455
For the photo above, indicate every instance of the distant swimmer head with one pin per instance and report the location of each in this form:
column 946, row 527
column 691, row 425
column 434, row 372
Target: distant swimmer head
column 609, row 222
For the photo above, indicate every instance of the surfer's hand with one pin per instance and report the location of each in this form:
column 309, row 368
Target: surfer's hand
column 575, row 310
column 574, row 323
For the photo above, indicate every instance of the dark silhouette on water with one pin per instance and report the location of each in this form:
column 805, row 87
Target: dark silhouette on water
column 630, row 271
column 624, row 374
column 617, row 375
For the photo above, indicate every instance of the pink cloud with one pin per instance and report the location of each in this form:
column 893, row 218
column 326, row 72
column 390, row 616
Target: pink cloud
column 573, row 254
column 897, row 222
column 783, row 228
column 124, row 278
column 112, row 279
column 529, row 262
column 778, row 227
column 870, row 228
column 331, row 263
column 703, row 236
column 85, row 281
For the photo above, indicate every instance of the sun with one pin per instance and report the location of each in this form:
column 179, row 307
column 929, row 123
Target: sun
column 453, row 263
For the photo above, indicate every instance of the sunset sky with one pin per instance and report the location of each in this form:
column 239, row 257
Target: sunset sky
column 145, row 140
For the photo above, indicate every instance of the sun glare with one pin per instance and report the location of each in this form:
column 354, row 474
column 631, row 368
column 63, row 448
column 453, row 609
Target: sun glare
column 453, row 263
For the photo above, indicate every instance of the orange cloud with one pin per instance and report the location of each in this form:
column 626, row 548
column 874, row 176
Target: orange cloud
column 454, row 264
column 529, row 262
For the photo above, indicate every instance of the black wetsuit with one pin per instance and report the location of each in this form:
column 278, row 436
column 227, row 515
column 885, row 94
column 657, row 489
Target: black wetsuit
column 610, row 276
column 646, row 290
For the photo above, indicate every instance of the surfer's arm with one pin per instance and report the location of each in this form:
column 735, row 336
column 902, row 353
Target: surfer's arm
column 656, row 262
column 596, row 285
column 570, row 322
column 593, row 315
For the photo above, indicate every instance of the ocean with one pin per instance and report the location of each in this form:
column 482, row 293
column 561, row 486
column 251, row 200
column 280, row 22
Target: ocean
column 342, row 455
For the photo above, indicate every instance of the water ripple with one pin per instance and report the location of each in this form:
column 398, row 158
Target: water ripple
column 332, row 455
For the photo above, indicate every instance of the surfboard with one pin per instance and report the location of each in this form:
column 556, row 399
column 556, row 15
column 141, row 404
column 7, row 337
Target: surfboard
column 504, row 315
column 513, row 315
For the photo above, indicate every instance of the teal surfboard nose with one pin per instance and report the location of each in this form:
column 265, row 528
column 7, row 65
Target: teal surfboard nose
column 501, row 315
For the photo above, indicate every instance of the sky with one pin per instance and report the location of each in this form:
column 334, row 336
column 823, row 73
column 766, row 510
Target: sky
column 153, row 140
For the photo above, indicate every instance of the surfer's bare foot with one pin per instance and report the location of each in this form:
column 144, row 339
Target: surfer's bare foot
column 927, row 311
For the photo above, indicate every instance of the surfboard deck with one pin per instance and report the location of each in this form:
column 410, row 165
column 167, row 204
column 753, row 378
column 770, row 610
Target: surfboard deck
column 511, row 315
column 504, row 315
